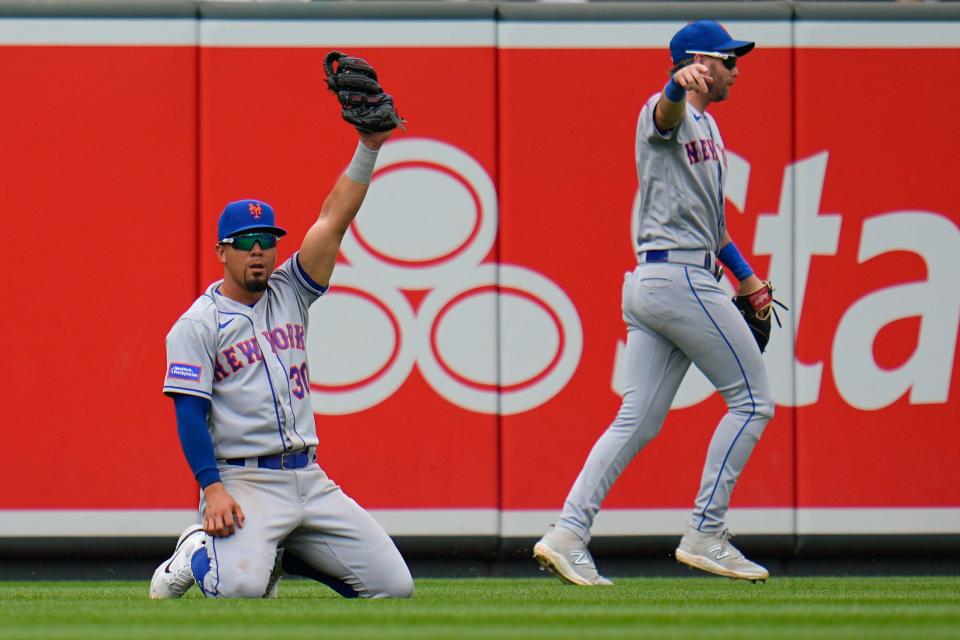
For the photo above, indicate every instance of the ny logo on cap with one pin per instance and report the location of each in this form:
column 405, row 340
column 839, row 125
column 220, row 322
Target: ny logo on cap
column 255, row 210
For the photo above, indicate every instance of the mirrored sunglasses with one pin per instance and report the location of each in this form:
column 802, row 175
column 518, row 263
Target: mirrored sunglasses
column 246, row 241
column 729, row 59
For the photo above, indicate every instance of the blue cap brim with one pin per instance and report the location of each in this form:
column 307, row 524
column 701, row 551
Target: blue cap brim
column 740, row 48
column 277, row 231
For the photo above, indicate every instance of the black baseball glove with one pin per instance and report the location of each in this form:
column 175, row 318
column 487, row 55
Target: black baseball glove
column 365, row 104
column 756, row 309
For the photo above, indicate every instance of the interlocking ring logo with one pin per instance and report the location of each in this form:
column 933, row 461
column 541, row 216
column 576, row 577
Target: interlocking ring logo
column 488, row 337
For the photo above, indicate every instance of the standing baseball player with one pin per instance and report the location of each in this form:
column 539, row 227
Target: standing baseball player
column 676, row 313
column 238, row 374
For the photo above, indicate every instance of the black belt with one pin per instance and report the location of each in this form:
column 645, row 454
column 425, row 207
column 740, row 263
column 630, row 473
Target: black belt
column 289, row 460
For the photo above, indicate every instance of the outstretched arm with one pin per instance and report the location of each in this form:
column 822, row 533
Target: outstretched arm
column 370, row 109
column 318, row 253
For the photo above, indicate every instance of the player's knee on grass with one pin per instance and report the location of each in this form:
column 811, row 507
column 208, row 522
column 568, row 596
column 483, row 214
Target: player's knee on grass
column 392, row 586
column 234, row 570
column 392, row 579
column 245, row 586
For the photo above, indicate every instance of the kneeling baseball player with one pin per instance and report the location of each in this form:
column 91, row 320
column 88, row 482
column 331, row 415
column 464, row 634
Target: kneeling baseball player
column 238, row 375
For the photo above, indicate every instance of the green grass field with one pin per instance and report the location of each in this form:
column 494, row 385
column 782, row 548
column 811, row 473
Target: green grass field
column 702, row 608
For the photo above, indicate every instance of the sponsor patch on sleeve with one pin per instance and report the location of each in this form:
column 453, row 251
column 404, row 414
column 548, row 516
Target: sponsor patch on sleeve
column 183, row 371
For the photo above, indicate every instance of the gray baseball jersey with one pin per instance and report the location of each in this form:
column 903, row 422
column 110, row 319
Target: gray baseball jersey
column 251, row 362
column 681, row 188
column 676, row 313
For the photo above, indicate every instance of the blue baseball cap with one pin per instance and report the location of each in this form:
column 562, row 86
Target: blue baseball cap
column 247, row 215
column 706, row 36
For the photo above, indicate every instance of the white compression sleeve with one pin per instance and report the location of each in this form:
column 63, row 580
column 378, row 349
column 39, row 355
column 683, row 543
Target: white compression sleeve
column 361, row 167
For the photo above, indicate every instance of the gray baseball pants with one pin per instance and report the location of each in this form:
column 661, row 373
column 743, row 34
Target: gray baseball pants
column 310, row 516
column 677, row 314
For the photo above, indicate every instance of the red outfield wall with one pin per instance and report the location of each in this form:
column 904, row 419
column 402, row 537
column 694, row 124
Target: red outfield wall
column 467, row 357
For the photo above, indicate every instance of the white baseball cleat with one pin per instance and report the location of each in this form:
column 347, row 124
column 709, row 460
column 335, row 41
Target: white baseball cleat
column 174, row 577
column 713, row 552
column 565, row 555
column 273, row 585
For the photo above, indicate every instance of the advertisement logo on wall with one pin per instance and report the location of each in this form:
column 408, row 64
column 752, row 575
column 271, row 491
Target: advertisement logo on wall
column 792, row 237
column 499, row 338
column 487, row 336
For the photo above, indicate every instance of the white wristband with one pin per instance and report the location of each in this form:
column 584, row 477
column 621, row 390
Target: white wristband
column 361, row 167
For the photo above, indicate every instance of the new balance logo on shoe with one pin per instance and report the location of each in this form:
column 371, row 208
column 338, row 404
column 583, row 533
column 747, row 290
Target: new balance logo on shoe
column 718, row 552
column 564, row 554
column 714, row 553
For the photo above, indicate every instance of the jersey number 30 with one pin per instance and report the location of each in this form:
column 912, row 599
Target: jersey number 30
column 301, row 379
